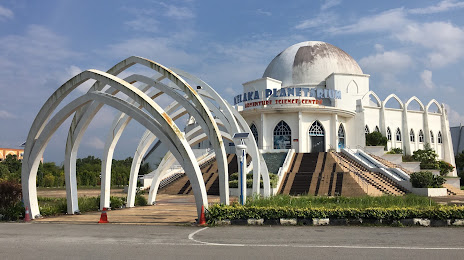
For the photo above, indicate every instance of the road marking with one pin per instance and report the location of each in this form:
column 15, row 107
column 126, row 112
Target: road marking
column 191, row 235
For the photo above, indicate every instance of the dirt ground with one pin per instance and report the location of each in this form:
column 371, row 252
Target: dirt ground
column 61, row 193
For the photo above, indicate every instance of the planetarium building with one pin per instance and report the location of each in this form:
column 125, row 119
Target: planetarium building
column 314, row 97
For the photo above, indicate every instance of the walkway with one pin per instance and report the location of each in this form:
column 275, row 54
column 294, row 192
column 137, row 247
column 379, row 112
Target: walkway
column 169, row 210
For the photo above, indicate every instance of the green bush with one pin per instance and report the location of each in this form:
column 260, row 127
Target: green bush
column 409, row 200
column 117, row 202
column 395, row 151
column 235, row 211
column 140, row 200
column 408, row 158
column 427, row 157
column 426, row 180
column 87, row 204
column 10, row 200
column 376, row 139
column 445, row 168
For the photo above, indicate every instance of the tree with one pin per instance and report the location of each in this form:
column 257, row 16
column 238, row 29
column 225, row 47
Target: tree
column 13, row 164
column 460, row 165
column 4, row 172
column 375, row 139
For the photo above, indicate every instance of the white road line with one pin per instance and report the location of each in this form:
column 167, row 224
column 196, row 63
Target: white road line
column 191, row 235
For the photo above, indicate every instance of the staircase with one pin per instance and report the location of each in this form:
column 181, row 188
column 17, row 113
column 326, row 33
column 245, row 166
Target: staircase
column 210, row 174
column 376, row 180
column 389, row 164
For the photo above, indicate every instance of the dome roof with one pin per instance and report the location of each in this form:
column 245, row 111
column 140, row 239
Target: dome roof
column 310, row 62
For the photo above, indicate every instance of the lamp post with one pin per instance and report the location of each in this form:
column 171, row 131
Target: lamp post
column 239, row 140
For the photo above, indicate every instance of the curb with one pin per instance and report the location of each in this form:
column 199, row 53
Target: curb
column 424, row 222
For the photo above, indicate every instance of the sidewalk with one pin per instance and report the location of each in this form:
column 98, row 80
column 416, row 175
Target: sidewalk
column 169, row 210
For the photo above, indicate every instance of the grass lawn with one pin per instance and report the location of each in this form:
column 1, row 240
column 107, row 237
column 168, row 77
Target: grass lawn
column 342, row 202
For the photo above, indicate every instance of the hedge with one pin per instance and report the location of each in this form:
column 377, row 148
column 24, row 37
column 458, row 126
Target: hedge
column 232, row 212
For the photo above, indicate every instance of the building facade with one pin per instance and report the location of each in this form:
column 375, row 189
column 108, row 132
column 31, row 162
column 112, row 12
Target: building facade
column 314, row 97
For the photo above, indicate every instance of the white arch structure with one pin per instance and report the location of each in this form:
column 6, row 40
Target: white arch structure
column 81, row 121
column 159, row 125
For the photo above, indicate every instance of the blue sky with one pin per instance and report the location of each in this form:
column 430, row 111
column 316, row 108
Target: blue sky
column 408, row 47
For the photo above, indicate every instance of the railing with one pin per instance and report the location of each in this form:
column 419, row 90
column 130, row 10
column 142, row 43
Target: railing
column 166, row 181
column 355, row 173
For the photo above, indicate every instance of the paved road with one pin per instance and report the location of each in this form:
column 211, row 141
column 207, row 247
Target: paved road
column 71, row 241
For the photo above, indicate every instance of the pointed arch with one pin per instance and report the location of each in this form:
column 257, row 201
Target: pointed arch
column 439, row 138
column 432, row 139
column 341, row 136
column 398, row 134
column 394, row 97
column 366, row 130
column 412, row 136
column 352, row 86
column 421, row 136
column 282, row 135
column 433, row 102
column 377, row 129
column 389, row 134
column 414, row 98
column 372, row 94
column 316, row 129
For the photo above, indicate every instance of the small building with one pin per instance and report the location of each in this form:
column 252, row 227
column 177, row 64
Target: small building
column 4, row 152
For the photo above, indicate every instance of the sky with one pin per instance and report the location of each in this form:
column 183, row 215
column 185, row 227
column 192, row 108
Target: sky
column 410, row 48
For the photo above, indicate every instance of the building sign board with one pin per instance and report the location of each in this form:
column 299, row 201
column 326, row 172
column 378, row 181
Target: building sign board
column 280, row 96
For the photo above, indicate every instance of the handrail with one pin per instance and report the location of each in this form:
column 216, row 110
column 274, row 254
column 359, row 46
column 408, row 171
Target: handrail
column 360, row 179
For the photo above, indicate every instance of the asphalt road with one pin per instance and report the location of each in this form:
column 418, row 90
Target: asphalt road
column 71, row 241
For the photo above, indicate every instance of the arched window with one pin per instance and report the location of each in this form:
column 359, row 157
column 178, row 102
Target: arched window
column 421, row 136
column 412, row 137
column 389, row 134
column 398, row 134
column 366, row 130
column 254, row 131
column 316, row 129
column 282, row 136
column 431, row 137
column 341, row 136
column 439, row 138
column 377, row 129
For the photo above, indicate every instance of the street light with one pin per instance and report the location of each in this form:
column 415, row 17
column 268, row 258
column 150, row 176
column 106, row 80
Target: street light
column 239, row 141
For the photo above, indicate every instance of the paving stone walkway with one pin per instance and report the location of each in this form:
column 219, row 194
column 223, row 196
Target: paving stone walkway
column 169, row 210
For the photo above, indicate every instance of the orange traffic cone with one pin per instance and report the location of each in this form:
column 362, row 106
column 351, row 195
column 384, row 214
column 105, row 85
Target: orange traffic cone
column 103, row 217
column 202, row 221
column 27, row 215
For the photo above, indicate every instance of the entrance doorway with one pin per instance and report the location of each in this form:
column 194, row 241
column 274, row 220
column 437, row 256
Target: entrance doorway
column 317, row 144
column 317, row 137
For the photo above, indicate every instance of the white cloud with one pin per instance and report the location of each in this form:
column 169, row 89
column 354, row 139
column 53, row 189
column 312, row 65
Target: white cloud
column 319, row 20
column 385, row 21
column 330, row 3
column 444, row 41
column 180, row 13
column 426, row 77
column 5, row 114
column 261, row 11
column 454, row 117
column 5, row 13
column 443, row 6
column 387, row 62
column 95, row 142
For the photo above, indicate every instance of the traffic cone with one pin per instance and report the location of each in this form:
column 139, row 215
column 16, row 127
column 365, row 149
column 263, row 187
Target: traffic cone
column 103, row 217
column 27, row 215
column 202, row 221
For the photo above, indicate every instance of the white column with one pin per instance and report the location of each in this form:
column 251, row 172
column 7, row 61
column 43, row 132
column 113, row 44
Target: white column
column 447, row 145
column 405, row 134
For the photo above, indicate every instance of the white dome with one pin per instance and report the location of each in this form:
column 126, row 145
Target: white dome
column 310, row 63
